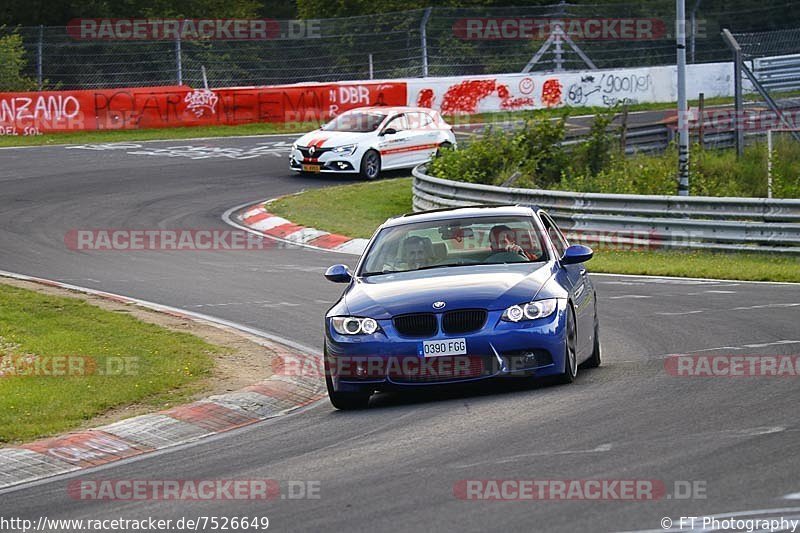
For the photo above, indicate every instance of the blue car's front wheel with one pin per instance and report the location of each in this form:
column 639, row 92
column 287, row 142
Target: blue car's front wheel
column 595, row 359
column 570, row 349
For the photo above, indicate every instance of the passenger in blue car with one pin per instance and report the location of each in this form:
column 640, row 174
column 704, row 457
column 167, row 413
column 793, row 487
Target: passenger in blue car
column 417, row 252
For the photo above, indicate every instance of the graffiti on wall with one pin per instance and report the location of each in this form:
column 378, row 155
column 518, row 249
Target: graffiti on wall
column 468, row 96
column 601, row 88
column 164, row 107
column 610, row 89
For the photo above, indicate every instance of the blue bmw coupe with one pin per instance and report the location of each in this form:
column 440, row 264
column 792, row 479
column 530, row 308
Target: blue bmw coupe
column 459, row 295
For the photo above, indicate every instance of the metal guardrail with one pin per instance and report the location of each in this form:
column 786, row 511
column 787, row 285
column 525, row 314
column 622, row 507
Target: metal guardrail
column 627, row 220
column 781, row 73
column 643, row 138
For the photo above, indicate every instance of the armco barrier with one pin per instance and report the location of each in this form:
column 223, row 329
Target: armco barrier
column 712, row 223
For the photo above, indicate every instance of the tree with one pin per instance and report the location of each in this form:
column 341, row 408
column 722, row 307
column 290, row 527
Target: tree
column 12, row 65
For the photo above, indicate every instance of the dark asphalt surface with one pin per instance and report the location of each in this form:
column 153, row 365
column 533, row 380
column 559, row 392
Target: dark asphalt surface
column 393, row 467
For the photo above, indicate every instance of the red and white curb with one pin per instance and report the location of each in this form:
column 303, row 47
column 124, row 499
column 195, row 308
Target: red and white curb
column 269, row 398
column 257, row 219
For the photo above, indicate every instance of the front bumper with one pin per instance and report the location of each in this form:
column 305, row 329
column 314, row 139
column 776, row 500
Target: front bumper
column 328, row 162
column 386, row 360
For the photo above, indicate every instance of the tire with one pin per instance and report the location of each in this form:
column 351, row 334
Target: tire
column 570, row 350
column 345, row 401
column 596, row 358
column 370, row 165
column 443, row 147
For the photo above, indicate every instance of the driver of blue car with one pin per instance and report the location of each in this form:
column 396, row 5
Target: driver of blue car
column 504, row 239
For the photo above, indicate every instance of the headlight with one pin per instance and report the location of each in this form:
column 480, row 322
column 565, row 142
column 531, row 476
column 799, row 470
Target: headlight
column 351, row 325
column 347, row 150
column 530, row 310
column 294, row 147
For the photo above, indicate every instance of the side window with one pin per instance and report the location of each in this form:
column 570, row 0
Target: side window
column 559, row 242
column 418, row 120
column 398, row 123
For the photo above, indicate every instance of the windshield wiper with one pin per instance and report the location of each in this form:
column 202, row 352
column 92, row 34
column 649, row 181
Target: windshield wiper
column 442, row 266
column 368, row 274
column 382, row 272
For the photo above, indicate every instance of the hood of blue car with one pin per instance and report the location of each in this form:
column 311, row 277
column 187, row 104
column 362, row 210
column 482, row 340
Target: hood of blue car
column 490, row 287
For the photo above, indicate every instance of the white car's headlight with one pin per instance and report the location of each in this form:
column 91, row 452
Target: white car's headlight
column 348, row 149
column 351, row 325
column 530, row 310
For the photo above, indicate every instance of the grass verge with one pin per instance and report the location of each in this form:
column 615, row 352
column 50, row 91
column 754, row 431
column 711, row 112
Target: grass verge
column 114, row 360
column 699, row 264
column 352, row 210
column 356, row 210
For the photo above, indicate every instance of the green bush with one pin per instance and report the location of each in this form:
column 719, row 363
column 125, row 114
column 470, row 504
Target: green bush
column 12, row 64
column 534, row 151
column 491, row 160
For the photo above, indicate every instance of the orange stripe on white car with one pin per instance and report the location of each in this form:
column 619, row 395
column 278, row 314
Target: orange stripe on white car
column 410, row 148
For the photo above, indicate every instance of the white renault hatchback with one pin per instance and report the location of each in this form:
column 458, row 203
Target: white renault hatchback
column 370, row 139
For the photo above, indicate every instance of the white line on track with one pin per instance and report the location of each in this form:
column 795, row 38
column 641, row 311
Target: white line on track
column 513, row 458
column 65, row 145
column 714, row 349
column 665, row 279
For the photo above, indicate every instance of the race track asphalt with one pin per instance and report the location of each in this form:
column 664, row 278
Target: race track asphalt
column 394, row 466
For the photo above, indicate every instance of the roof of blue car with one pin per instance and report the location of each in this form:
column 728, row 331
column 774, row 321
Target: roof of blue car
column 461, row 212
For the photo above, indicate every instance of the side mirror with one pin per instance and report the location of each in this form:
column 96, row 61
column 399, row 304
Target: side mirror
column 577, row 253
column 338, row 274
column 389, row 131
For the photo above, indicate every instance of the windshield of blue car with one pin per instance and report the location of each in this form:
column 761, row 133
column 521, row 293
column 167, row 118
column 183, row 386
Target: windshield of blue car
column 355, row 122
column 455, row 242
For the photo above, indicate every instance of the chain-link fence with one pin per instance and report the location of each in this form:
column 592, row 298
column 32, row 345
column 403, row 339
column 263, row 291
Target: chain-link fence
column 403, row 44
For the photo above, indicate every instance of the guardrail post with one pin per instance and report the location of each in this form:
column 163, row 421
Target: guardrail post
column 178, row 61
column 39, row 45
column 738, row 103
column 424, row 40
column 769, row 163
column 701, row 106
column 683, row 122
column 623, row 129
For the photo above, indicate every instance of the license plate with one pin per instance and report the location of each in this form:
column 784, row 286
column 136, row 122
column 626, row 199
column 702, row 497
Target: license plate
column 445, row 347
column 311, row 168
